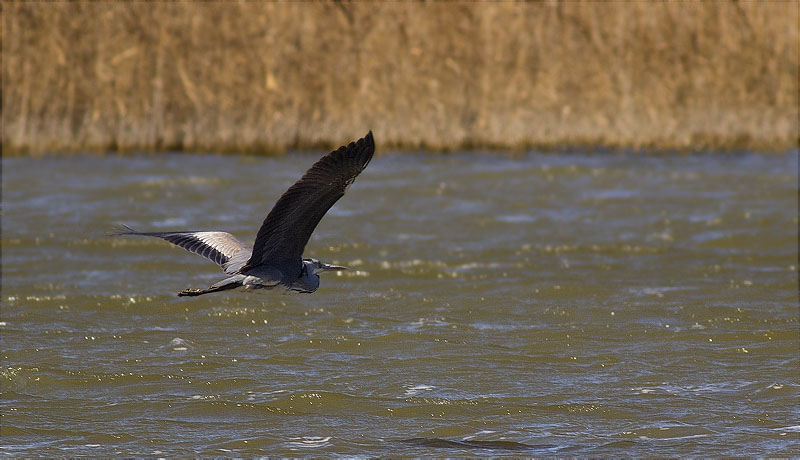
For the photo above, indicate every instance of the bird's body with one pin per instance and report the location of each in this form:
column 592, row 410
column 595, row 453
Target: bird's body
column 276, row 257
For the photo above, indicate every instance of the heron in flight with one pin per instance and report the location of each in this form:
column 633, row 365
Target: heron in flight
column 276, row 256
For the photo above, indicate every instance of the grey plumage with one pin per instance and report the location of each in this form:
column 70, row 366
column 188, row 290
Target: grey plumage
column 276, row 257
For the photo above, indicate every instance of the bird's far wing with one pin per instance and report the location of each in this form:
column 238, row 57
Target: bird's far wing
column 219, row 247
column 289, row 225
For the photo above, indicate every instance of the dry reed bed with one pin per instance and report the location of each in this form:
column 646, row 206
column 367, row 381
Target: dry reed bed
column 265, row 77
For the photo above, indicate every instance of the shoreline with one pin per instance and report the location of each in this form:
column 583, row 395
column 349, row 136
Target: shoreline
column 272, row 77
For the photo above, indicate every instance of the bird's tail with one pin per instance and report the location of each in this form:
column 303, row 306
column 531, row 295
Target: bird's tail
column 228, row 283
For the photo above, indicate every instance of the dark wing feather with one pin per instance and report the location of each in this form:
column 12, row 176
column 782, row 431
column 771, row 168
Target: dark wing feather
column 289, row 225
column 218, row 247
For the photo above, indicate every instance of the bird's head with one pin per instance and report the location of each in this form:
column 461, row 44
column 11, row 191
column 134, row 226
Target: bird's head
column 318, row 266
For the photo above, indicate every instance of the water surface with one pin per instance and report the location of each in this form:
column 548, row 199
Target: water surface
column 562, row 304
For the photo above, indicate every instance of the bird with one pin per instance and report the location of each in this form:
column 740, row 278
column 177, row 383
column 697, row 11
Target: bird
column 276, row 257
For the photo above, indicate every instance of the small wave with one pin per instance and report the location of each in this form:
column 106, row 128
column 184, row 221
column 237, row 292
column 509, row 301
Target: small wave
column 177, row 344
column 159, row 181
column 170, row 222
column 656, row 290
column 427, row 322
column 517, row 218
column 794, row 428
column 668, row 431
column 309, row 442
column 473, row 444
column 417, row 389
column 728, row 387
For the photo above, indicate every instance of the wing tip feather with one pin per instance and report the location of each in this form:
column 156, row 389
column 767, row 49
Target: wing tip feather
column 121, row 229
column 366, row 147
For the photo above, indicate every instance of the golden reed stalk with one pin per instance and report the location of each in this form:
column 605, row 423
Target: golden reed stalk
column 266, row 77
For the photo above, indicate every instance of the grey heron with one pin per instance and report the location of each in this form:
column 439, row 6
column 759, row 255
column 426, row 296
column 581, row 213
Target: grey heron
column 276, row 256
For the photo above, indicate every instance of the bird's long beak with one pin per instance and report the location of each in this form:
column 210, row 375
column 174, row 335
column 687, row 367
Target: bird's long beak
column 326, row 268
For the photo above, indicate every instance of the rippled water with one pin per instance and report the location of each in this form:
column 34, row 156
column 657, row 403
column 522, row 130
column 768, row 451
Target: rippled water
column 563, row 304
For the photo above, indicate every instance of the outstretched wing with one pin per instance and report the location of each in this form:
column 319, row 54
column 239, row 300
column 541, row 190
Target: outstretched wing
column 219, row 247
column 289, row 225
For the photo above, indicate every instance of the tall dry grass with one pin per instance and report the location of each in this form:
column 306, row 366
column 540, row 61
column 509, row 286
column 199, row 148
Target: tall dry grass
column 271, row 76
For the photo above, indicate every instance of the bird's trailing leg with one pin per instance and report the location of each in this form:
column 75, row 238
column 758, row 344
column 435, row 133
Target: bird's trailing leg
column 228, row 283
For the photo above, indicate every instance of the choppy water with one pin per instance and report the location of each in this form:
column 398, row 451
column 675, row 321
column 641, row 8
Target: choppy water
column 563, row 304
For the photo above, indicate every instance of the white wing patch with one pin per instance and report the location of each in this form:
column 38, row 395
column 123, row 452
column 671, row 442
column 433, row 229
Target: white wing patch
column 223, row 242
